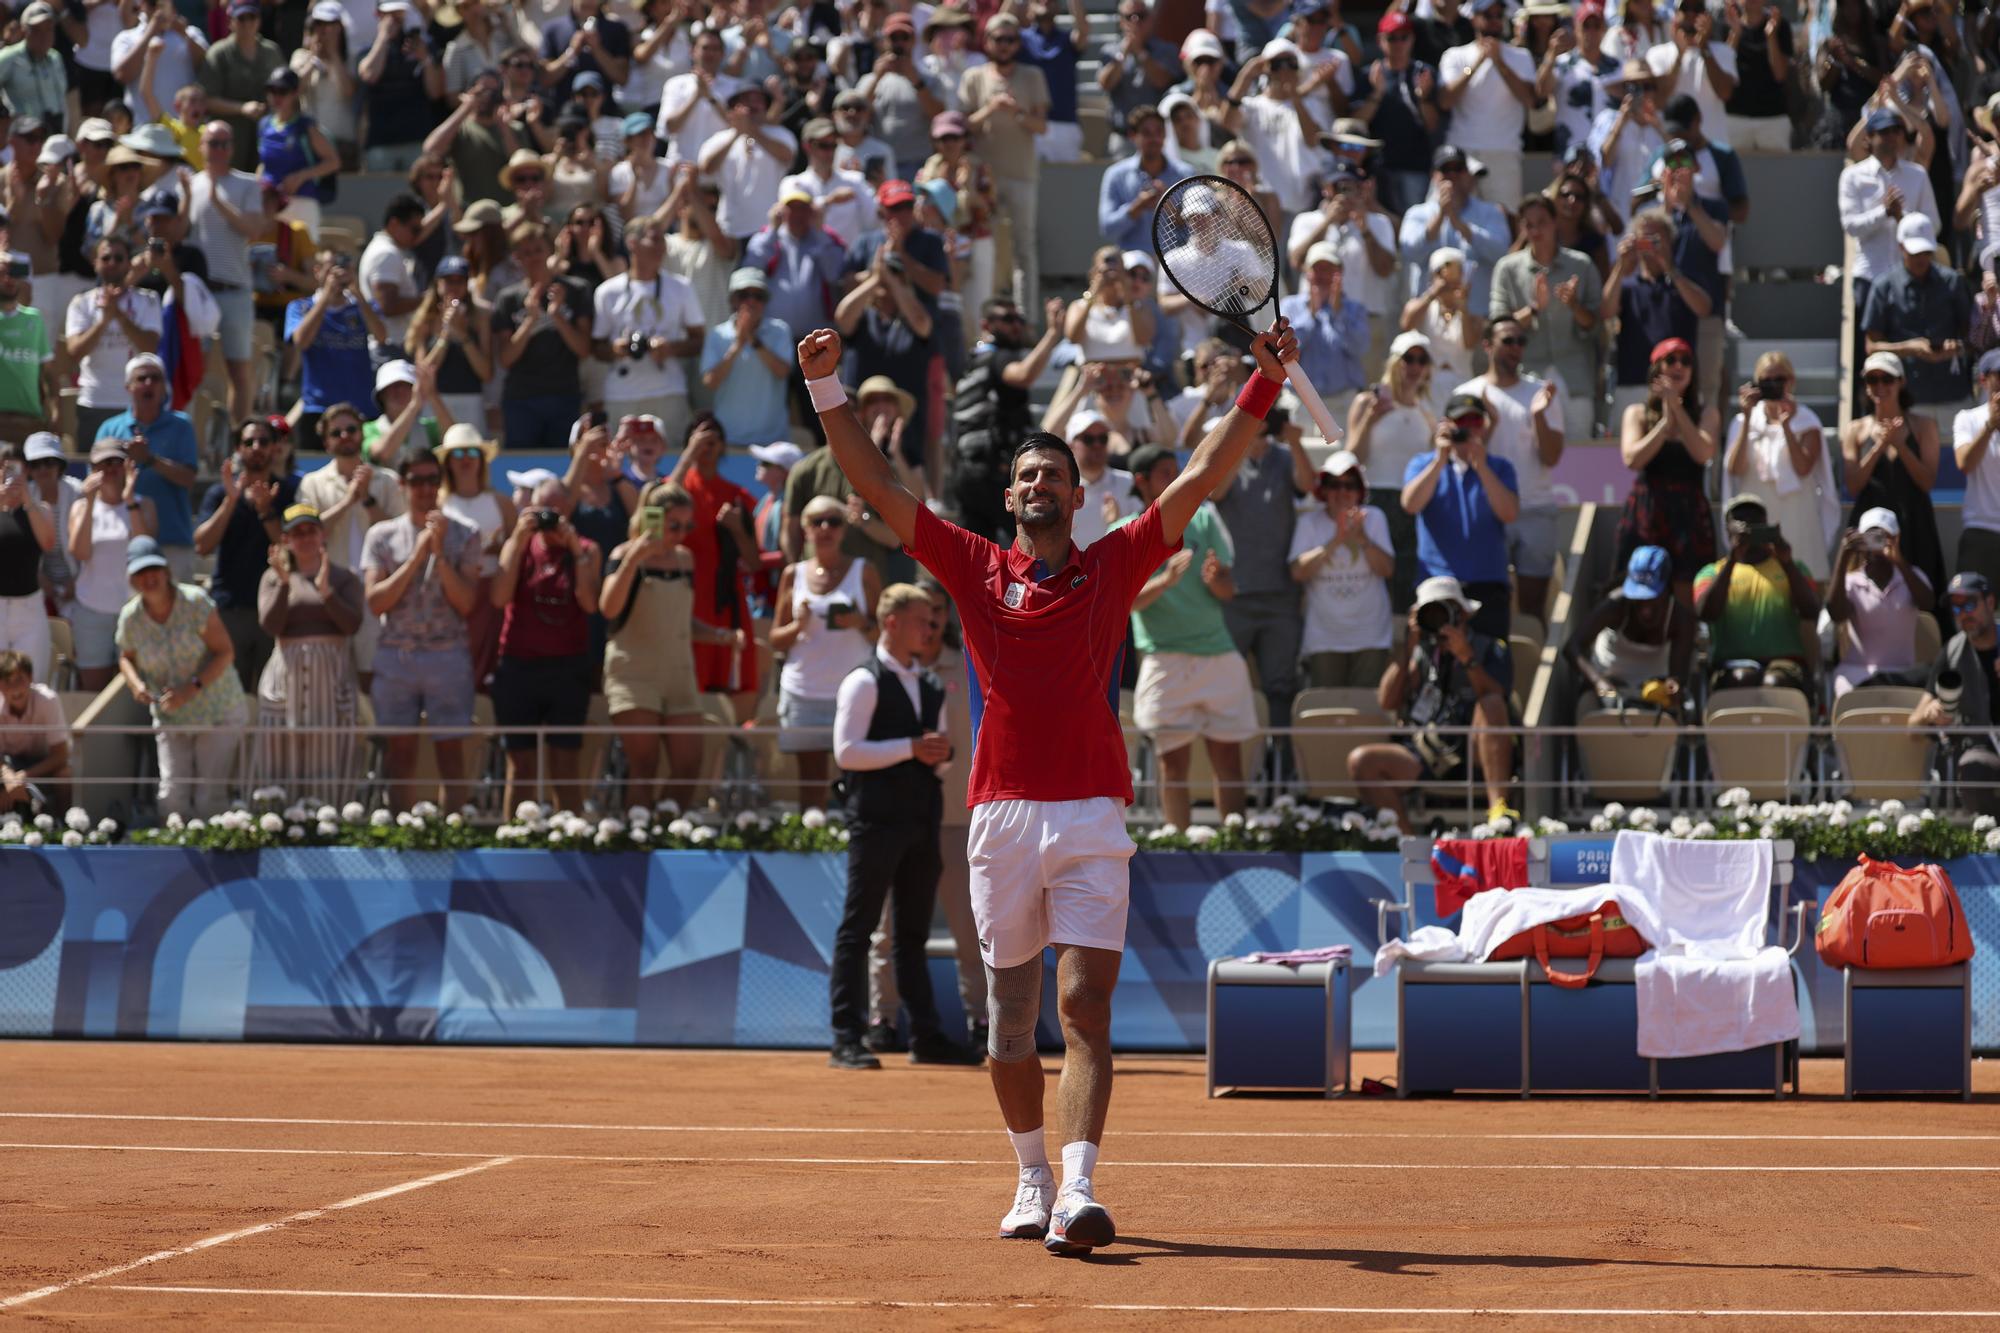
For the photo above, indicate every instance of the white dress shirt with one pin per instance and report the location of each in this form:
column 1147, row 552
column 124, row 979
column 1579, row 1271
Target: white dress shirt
column 854, row 712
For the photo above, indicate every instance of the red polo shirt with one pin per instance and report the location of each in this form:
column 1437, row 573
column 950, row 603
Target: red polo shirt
column 1044, row 656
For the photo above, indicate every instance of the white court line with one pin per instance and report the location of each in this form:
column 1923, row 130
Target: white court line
column 210, row 1242
column 996, row 1163
column 869, row 1302
column 906, row 1132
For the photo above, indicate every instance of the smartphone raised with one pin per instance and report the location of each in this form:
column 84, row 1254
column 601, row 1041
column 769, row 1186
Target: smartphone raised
column 653, row 521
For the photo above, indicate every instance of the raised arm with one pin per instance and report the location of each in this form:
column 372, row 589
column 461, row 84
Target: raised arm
column 1218, row 455
column 864, row 465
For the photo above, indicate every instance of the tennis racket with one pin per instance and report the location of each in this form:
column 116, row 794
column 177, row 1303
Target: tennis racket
column 1216, row 245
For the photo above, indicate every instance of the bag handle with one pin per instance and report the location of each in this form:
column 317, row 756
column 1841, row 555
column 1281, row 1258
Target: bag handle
column 1572, row 980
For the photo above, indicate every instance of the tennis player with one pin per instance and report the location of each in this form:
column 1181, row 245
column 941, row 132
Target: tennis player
column 1044, row 625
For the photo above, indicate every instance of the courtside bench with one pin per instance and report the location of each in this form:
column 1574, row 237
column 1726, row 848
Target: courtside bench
column 1908, row 1029
column 1274, row 1026
column 1504, row 1027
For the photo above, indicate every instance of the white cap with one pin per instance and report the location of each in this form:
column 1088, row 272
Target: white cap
column 1173, row 102
column 42, row 444
column 56, row 148
column 1888, row 363
column 1443, row 588
column 783, row 454
column 1880, row 519
column 96, row 130
column 1132, row 259
column 328, row 11
column 1407, row 339
column 1339, row 463
column 1082, row 420
column 1917, row 234
column 1197, row 44
column 1446, row 254
column 1323, row 252
column 529, row 480
column 395, row 372
column 1278, row 46
column 145, row 361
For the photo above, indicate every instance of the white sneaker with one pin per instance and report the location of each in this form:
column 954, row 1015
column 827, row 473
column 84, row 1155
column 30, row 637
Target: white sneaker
column 1078, row 1223
column 1028, row 1219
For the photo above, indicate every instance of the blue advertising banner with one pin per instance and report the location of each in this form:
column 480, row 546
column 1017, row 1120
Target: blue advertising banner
column 669, row 949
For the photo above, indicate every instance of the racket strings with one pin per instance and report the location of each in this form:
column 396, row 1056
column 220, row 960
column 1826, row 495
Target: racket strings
column 1216, row 244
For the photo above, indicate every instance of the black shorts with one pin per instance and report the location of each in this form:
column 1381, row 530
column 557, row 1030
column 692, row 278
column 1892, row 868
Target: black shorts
column 95, row 87
column 542, row 692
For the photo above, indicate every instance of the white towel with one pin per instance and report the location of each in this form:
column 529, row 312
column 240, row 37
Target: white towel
column 1492, row 918
column 1430, row 944
column 1710, row 984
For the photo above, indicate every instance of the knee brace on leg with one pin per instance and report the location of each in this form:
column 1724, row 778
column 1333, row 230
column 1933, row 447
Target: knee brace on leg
column 1013, row 1003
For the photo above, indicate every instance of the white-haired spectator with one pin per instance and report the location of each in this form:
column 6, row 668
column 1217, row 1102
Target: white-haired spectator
column 1456, row 217
column 1874, row 598
column 164, row 454
column 825, row 627
column 1107, row 491
column 1341, row 554
column 1489, row 87
column 34, row 740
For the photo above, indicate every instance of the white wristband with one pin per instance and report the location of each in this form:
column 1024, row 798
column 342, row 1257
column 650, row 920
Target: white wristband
column 826, row 393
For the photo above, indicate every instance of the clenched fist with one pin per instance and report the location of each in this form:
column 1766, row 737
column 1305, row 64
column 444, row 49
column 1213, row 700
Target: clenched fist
column 819, row 354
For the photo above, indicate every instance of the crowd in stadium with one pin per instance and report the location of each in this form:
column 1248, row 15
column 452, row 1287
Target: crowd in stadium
column 618, row 222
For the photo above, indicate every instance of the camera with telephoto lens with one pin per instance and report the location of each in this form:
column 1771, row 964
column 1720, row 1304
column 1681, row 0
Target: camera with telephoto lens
column 1432, row 618
column 1949, row 690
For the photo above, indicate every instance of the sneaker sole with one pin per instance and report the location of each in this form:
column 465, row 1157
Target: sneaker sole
column 1084, row 1234
column 1026, row 1231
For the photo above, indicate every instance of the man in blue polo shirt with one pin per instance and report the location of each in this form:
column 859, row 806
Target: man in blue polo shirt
column 162, row 447
column 1463, row 501
column 1055, row 52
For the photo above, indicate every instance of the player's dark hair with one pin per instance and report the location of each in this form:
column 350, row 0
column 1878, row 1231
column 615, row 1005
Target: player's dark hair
column 1039, row 442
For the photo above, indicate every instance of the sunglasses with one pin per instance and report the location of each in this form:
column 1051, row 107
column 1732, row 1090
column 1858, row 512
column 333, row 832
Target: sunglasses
column 1512, row 341
column 1878, row 380
column 824, row 143
column 827, row 521
column 1004, row 39
column 1096, row 439
column 1679, row 163
column 953, row 137
column 1396, row 37
column 1573, row 196
column 519, row 64
column 1677, row 359
column 342, row 432
column 1282, row 66
column 1416, row 358
column 254, row 442
column 462, row 455
column 589, row 92
column 529, row 178
column 1961, row 605
column 424, row 479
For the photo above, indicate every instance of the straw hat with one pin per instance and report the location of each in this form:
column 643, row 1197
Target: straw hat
column 906, row 403
column 465, row 435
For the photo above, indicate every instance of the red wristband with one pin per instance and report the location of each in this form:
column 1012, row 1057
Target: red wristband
column 1258, row 394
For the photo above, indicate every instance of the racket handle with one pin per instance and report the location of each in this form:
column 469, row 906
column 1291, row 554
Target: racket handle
column 1314, row 404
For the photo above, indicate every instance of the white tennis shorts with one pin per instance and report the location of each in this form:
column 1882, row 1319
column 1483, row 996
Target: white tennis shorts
column 1048, row 872
column 1182, row 696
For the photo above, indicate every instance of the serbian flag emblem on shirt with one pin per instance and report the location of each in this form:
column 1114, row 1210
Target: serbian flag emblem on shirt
column 1461, row 867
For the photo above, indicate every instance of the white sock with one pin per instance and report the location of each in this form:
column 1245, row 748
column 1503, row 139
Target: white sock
column 1029, row 1149
column 1079, row 1161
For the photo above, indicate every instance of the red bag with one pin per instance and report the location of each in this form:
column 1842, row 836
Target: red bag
column 1597, row 936
column 1884, row 916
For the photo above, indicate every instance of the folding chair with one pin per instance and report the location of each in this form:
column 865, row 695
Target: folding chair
column 1627, row 754
column 1763, row 755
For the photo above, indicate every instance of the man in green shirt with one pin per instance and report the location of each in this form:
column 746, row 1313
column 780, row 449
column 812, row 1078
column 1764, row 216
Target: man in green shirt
column 31, row 73
column 1193, row 681
column 477, row 140
column 233, row 74
column 27, row 361
column 1761, row 603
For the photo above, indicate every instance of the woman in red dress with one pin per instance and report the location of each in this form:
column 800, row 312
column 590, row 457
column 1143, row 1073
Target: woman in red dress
column 723, row 547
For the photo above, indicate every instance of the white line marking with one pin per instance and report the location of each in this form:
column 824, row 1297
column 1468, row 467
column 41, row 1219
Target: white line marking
column 870, row 1302
column 1123, row 1133
column 210, row 1242
column 996, row 1163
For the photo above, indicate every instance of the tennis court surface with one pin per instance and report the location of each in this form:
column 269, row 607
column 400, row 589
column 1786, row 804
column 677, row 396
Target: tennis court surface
column 234, row 1185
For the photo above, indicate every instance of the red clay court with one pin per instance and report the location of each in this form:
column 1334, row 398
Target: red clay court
column 149, row 1184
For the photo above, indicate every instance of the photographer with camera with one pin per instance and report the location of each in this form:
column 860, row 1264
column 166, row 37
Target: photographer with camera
column 1760, row 603
column 1963, row 692
column 1463, row 501
column 648, row 322
column 1453, row 676
column 991, row 413
column 547, row 584
column 1874, row 598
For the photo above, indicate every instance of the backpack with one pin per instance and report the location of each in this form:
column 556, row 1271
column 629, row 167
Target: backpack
column 1883, row 916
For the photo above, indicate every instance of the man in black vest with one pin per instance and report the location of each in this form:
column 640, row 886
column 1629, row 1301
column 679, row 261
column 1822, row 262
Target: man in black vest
column 889, row 738
column 990, row 413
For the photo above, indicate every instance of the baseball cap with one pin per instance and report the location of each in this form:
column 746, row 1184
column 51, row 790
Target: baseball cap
column 142, row 553
column 1143, row 460
column 1082, row 420
column 1481, row 6
column 284, row 79
column 1647, row 573
column 299, row 514
column 395, row 372
column 1201, row 44
column 1744, row 500
column 479, row 214
column 1879, row 519
column 1990, row 363
column 948, row 122
column 530, row 478
column 454, row 266
column 942, row 197
column 1443, row 588
column 1406, row 340
column 1352, row 133
column 1680, row 114
column 1323, row 252
column 1339, row 463
column 243, row 7
column 1970, row 583
column 795, row 194
column 55, row 148
column 39, row 12
column 157, row 204
column 1917, row 234
column 1448, row 157
column 27, row 127
column 328, row 11
column 636, row 123
column 43, row 444
column 1394, row 21
column 1467, row 405
column 105, row 450
column 1280, row 48
column 1886, row 363
column 749, row 280
column 783, row 454
column 1882, row 118
column 1132, row 259
column 892, row 193
column 1667, row 347
column 819, row 127
column 96, row 130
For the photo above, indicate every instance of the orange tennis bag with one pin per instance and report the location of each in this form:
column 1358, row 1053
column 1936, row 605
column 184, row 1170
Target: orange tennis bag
column 1882, row 915
column 1598, row 935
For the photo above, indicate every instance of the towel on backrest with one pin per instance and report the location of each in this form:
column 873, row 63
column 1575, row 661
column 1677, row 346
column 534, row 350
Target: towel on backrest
column 1461, row 867
column 1710, row 984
